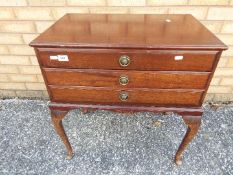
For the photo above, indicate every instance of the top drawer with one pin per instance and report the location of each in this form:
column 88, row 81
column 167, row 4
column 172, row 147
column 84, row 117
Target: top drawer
column 127, row 59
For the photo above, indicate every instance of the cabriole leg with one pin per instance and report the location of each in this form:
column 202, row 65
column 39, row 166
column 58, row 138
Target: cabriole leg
column 57, row 117
column 193, row 123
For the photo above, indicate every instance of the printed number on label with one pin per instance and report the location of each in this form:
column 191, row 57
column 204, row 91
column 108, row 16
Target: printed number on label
column 63, row 58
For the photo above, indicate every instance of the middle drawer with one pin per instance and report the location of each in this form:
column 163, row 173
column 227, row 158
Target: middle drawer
column 130, row 79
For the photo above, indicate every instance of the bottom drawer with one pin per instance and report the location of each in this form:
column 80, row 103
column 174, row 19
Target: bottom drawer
column 134, row 96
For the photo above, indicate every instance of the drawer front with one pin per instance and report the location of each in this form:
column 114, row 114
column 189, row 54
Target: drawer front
column 125, row 59
column 132, row 96
column 128, row 79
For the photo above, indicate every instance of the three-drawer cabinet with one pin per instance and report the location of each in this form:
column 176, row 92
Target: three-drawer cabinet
column 127, row 63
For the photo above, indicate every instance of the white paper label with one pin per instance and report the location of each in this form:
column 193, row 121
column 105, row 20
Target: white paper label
column 53, row 57
column 63, row 58
column 179, row 57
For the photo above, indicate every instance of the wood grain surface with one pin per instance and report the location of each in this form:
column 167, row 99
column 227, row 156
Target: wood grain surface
column 141, row 31
column 139, row 59
column 74, row 94
column 136, row 79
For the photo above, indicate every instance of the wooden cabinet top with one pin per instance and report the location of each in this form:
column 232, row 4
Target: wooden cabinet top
column 129, row 31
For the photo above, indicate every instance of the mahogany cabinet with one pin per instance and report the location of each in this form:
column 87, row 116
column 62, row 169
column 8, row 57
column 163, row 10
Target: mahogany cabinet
column 128, row 63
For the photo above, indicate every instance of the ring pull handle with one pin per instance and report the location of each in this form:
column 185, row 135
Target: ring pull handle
column 123, row 80
column 124, row 96
column 124, row 60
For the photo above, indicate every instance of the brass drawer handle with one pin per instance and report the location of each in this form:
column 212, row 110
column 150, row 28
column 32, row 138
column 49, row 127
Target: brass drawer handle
column 123, row 96
column 123, row 80
column 124, row 60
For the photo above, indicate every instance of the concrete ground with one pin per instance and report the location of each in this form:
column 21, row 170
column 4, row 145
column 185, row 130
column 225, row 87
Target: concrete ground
column 112, row 143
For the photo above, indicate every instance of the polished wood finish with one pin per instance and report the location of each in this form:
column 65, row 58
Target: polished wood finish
column 136, row 79
column 129, row 31
column 126, row 63
column 57, row 116
column 140, row 59
column 192, row 111
column 136, row 96
column 193, row 123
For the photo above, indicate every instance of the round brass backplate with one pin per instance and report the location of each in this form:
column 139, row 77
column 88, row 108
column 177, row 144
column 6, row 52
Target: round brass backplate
column 123, row 80
column 124, row 96
column 124, row 60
